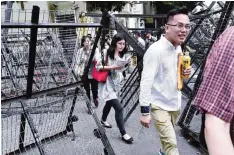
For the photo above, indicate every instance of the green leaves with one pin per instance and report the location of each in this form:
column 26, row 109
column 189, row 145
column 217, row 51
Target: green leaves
column 162, row 7
column 108, row 5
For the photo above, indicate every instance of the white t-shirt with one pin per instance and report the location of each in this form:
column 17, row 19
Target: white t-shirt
column 111, row 88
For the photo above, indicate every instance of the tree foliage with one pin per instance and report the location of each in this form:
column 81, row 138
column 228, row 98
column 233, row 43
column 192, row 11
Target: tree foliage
column 108, row 5
column 162, row 7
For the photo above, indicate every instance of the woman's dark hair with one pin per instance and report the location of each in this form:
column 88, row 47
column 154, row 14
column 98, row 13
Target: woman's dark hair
column 83, row 40
column 175, row 11
column 111, row 51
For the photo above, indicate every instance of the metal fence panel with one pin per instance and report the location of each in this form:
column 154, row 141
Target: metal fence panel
column 40, row 122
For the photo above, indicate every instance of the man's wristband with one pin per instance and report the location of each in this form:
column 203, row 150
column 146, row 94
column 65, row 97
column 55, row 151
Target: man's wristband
column 145, row 109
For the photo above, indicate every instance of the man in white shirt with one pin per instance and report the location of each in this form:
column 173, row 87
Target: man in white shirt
column 158, row 89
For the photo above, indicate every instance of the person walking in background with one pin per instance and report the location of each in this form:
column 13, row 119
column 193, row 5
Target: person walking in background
column 109, row 91
column 215, row 97
column 138, row 36
column 139, row 58
column 158, row 88
column 149, row 39
column 82, row 59
column 83, row 19
column 160, row 32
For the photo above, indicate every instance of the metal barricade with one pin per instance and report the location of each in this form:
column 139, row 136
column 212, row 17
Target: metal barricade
column 42, row 95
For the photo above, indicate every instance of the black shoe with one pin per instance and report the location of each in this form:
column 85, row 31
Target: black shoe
column 95, row 102
column 128, row 141
column 105, row 124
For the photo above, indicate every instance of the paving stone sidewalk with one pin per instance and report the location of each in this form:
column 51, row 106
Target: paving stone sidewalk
column 146, row 141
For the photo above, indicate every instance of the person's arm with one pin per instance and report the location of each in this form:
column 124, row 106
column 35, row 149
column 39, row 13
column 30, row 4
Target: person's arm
column 100, row 67
column 112, row 68
column 96, row 55
column 154, row 38
column 151, row 63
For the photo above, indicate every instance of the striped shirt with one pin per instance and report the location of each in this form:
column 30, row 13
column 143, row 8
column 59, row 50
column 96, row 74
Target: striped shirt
column 216, row 93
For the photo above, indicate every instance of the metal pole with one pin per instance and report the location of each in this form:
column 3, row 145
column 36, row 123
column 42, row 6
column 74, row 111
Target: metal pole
column 32, row 50
column 33, row 129
column 22, row 131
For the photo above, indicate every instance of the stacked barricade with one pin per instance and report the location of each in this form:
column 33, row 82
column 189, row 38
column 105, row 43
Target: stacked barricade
column 41, row 92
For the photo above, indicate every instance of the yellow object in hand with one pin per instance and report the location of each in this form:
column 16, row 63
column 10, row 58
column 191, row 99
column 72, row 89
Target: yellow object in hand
column 186, row 63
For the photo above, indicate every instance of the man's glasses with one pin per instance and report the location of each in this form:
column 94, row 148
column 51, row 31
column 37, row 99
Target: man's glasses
column 181, row 26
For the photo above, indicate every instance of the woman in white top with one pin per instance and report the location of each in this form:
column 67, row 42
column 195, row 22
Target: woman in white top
column 83, row 56
column 109, row 91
